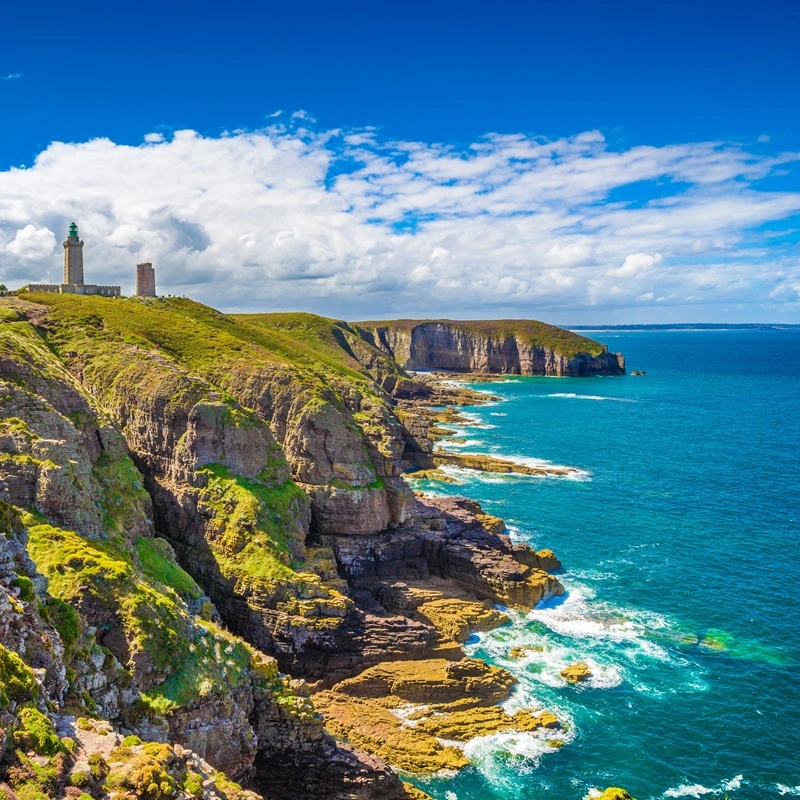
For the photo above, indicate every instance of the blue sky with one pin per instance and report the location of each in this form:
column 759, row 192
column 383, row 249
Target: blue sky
column 688, row 108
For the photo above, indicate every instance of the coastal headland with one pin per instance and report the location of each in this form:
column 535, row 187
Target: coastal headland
column 214, row 572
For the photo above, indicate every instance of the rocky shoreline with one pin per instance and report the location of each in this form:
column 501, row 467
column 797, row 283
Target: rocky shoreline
column 209, row 540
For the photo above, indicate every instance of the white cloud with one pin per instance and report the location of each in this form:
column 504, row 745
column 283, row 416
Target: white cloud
column 348, row 224
column 32, row 244
column 636, row 264
column 12, row 77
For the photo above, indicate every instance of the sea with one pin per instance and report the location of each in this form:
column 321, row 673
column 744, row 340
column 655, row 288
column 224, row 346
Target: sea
column 680, row 540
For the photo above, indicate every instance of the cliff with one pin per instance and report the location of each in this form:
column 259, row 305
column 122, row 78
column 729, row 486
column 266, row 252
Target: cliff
column 518, row 347
column 205, row 522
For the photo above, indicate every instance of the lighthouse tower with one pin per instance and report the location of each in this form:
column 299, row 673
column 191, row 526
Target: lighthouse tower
column 73, row 257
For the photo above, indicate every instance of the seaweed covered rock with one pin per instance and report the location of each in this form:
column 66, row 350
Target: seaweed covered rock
column 578, row 672
column 410, row 712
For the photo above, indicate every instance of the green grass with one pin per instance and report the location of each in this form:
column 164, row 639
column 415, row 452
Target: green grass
column 331, row 341
column 250, row 528
column 158, row 564
column 123, row 497
column 65, row 619
column 25, row 586
column 211, row 662
column 15, row 425
column 205, row 341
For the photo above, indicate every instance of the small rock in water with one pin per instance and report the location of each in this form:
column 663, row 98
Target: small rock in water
column 577, row 672
column 521, row 652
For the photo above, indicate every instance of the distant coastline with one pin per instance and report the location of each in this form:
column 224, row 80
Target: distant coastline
column 691, row 326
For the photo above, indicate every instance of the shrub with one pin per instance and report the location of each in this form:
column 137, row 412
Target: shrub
column 98, row 766
column 25, row 585
column 17, row 681
column 65, row 619
column 36, row 733
column 193, row 784
column 79, row 779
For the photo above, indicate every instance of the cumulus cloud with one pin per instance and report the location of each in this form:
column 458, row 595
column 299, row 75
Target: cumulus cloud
column 352, row 225
column 32, row 244
column 636, row 264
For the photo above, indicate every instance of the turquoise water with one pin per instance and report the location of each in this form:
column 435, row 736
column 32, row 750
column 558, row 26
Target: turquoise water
column 682, row 569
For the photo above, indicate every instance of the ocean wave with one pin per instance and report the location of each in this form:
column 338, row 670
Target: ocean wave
column 784, row 789
column 574, row 396
column 459, row 445
column 474, row 420
column 616, row 643
column 523, row 749
column 695, row 790
column 733, row 783
column 497, row 414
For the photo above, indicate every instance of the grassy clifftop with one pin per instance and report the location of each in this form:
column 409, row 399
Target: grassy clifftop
column 198, row 337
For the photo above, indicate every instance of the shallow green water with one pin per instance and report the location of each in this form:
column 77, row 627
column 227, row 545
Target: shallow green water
column 682, row 568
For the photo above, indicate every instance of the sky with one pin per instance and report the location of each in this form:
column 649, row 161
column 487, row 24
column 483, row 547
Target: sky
column 582, row 163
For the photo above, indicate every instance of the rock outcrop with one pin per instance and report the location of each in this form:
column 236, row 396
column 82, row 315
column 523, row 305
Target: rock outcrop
column 413, row 713
column 519, row 347
column 578, row 672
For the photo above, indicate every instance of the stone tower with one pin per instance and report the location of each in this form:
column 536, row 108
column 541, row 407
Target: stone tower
column 145, row 280
column 73, row 257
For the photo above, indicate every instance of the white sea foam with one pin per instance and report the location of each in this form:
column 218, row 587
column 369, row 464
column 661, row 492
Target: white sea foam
column 465, row 473
column 474, row 420
column 603, row 677
column 695, row 790
column 468, row 443
column 526, row 748
column 733, row 783
column 615, row 642
column 404, row 713
column 784, row 789
column 498, row 414
column 574, row 396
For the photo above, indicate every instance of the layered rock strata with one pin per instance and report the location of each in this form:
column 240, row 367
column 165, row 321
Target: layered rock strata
column 519, row 347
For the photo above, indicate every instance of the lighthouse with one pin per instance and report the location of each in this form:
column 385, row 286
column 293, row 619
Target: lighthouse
column 73, row 257
column 73, row 272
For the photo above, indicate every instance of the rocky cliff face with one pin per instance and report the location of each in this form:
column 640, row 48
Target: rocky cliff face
column 100, row 621
column 512, row 347
column 195, row 505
